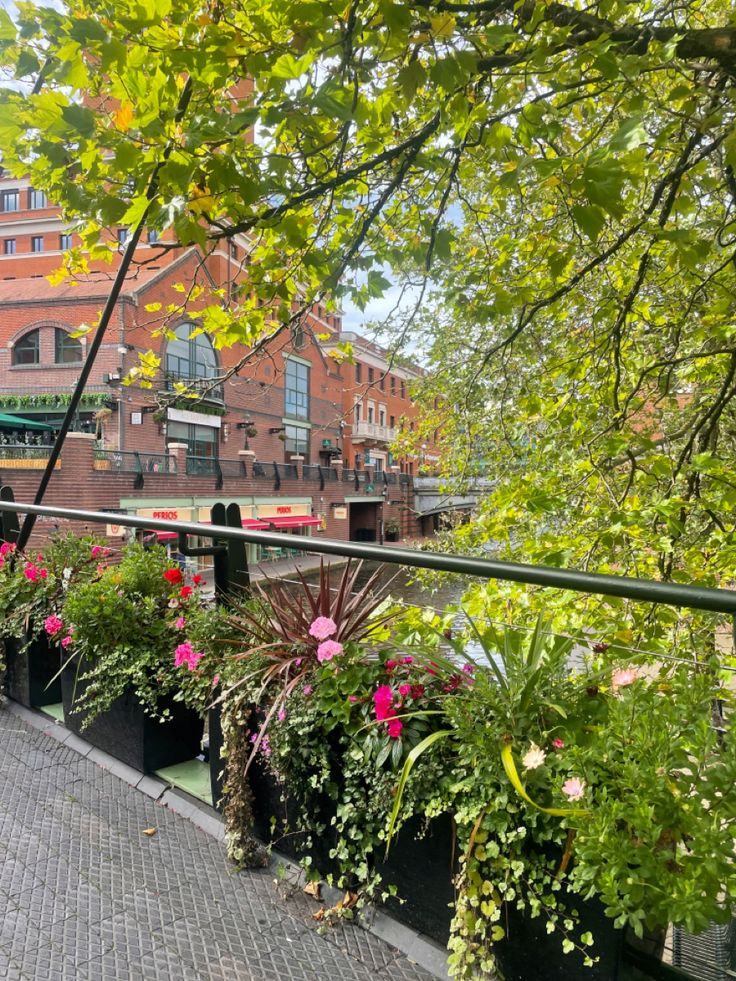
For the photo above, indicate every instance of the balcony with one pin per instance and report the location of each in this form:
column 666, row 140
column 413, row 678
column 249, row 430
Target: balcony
column 207, row 388
column 369, row 430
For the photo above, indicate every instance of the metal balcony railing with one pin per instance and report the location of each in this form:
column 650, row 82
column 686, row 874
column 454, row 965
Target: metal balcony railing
column 133, row 462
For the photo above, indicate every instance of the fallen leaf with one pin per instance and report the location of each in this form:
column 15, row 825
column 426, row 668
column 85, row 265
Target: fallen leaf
column 150, row 832
column 314, row 889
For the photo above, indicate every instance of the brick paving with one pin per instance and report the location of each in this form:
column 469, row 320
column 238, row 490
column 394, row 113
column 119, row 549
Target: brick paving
column 84, row 894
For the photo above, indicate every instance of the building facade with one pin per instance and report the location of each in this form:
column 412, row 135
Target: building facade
column 290, row 406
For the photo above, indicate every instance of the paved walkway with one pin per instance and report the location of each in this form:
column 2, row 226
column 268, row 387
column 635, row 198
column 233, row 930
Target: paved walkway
column 84, row 894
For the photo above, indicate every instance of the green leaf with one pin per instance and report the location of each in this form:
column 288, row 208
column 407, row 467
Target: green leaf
column 629, row 136
column 590, row 218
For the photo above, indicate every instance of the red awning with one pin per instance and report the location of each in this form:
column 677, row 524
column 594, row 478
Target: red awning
column 166, row 536
column 254, row 524
column 294, row 521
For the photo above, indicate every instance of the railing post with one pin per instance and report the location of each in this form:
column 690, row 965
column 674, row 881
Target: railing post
column 10, row 528
column 218, row 475
column 276, row 476
column 139, row 481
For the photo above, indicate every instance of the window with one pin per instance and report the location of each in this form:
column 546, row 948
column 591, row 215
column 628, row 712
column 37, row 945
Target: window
column 382, row 382
column 403, row 390
column 381, row 416
column 358, row 410
column 27, row 349
column 297, row 337
column 393, row 384
column 36, row 199
column 378, row 464
column 371, row 412
column 67, row 349
column 152, row 235
column 201, row 440
column 296, row 390
column 392, row 422
column 297, row 441
column 65, row 242
column 371, row 375
column 9, row 246
column 188, row 357
column 122, row 236
column 9, row 201
column 37, row 243
column 358, row 372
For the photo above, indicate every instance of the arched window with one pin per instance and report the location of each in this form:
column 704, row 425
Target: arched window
column 28, row 349
column 188, row 358
column 67, row 349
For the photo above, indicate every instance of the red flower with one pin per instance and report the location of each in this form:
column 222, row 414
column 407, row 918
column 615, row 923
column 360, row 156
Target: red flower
column 417, row 691
column 383, row 699
column 186, row 592
column 197, row 580
column 174, row 576
column 394, row 728
column 390, row 665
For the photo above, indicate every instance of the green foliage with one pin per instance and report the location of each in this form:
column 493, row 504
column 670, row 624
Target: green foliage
column 125, row 632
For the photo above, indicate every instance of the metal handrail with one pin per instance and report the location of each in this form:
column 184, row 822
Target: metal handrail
column 641, row 590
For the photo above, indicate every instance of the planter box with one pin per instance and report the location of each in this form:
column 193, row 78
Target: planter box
column 128, row 734
column 30, row 670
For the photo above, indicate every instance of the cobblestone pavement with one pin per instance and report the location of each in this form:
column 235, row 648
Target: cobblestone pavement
column 84, row 894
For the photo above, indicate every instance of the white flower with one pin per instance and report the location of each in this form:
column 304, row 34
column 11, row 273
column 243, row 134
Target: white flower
column 535, row 757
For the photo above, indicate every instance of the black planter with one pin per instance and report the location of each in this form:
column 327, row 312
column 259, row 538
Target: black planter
column 528, row 951
column 30, row 669
column 127, row 733
column 422, row 864
column 216, row 762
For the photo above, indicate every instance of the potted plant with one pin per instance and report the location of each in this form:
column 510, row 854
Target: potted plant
column 392, row 530
column 121, row 679
column 32, row 590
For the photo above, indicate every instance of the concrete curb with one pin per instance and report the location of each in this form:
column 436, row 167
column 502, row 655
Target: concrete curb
column 425, row 952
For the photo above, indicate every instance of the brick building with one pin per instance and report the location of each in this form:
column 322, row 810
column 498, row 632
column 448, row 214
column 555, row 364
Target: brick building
column 293, row 409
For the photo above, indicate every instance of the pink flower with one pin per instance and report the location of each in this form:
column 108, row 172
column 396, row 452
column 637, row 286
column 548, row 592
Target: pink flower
column 52, row 625
column 383, row 699
column 328, row 649
column 394, row 728
column 623, row 677
column 181, row 623
column 185, row 654
column 353, row 699
column 468, row 668
column 558, row 743
column 307, row 690
column 30, row 572
column 322, row 628
column 281, row 715
column 43, row 573
column 66, row 641
column 574, row 788
column 298, row 662
column 407, row 660
column 391, row 664
column 404, row 690
column 6, row 547
column 97, row 550
column 216, row 681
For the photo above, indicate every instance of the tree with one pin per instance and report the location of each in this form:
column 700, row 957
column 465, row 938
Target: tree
column 563, row 178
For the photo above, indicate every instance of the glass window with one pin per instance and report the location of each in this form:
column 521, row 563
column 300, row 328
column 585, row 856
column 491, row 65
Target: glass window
column 370, row 413
column 9, row 246
column 296, row 390
column 358, row 372
column 403, row 390
column 36, row 199
column 393, row 384
column 392, row 422
column 297, row 442
column 358, row 409
column 27, row 349
column 65, row 242
column 37, row 243
column 67, row 349
column 382, row 382
column 188, row 358
column 371, row 375
column 122, row 236
column 201, row 440
column 381, row 416
column 152, row 235
column 9, row 201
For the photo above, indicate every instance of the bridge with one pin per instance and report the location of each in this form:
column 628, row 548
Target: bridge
column 434, row 496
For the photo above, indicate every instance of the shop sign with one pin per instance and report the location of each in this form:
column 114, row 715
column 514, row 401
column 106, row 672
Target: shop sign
column 340, row 513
